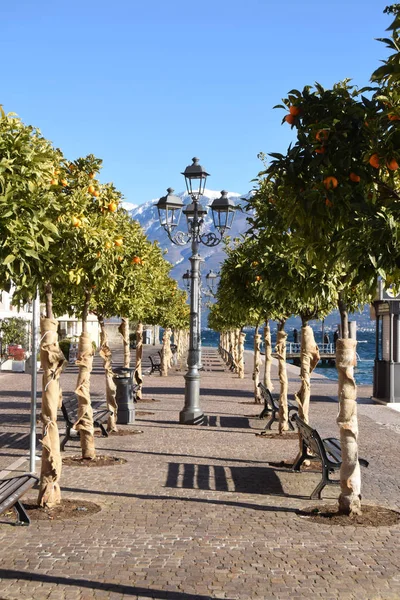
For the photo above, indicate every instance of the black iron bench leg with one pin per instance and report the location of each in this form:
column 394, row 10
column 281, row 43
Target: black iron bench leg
column 291, row 426
column 264, row 412
column 317, row 492
column 23, row 518
column 104, row 432
column 269, row 424
column 65, row 439
column 296, row 466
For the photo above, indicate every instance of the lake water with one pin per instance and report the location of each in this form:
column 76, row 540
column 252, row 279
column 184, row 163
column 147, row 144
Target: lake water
column 365, row 351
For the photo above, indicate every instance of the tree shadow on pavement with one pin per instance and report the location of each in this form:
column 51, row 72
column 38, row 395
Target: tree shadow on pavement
column 165, row 390
column 208, row 500
column 17, row 440
column 116, row 588
column 222, row 458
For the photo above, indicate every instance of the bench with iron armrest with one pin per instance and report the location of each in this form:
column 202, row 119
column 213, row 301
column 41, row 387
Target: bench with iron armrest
column 69, row 409
column 11, row 490
column 155, row 364
column 327, row 450
column 271, row 405
column 231, row 362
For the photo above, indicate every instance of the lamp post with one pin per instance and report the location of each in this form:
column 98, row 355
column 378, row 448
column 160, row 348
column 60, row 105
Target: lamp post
column 169, row 209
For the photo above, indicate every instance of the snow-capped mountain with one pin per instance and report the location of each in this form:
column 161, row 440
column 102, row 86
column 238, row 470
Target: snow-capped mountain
column 178, row 256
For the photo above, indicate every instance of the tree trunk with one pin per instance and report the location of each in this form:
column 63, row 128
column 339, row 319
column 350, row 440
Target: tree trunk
column 350, row 473
column 166, row 352
column 309, row 358
column 106, row 355
column 124, row 331
column 268, row 357
column 52, row 360
column 139, row 356
column 257, row 364
column 231, row 343
column 84, row 422
column 240, row 363
column 235, row 345
column 283, row 380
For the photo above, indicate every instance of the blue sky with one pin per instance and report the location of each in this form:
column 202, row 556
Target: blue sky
column 148, row 85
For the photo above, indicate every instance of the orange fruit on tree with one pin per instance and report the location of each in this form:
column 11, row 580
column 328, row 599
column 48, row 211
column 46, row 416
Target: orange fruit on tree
column 354, row 177
column 119, row 257
column 64, row 182
column 112, row 206
column 118, row 242
column 328, row 202
column 290, row 119
column 91, row 189
column 96, row 193
column 108, row 244
column 330, row 182
column 392, row 165
column 91, row 175
column 322, row 135
column 320, row 150
column 53, row 182
column 136, row 260
column 76, row 222
column 374, row 161
column 393, row 117
column 295, row 111
column 98, row 254
column 258, row 278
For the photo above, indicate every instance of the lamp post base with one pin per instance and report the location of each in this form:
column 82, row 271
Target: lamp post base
column 191, row 413
column 189, row 416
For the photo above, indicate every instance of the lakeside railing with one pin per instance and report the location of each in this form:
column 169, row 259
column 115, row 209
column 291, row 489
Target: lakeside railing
column 294, row 348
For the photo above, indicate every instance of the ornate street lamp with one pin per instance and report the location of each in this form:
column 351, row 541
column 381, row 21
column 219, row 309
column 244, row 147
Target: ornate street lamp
column 169, row 209
column 186, row 279
column 211, row 279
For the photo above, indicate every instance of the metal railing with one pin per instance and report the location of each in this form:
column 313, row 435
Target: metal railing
column 294, row 348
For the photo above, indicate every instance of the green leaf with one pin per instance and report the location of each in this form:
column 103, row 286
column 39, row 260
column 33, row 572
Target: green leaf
column 50, row 226
column 9, row 259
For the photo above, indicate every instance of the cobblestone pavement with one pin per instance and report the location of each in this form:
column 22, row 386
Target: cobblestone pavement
column 198, row 512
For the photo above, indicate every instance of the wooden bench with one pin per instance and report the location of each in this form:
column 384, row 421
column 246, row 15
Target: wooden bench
column 11, row 490
column 327, row 450
column 271, row 405
column 155, row 364
column 69, row 409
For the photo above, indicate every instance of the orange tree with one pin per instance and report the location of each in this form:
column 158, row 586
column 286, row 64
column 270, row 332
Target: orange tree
column 141, row 272
column 28, row 205
column 86, row 227
column 169, row 309
column 338, row 207
column 120, row 259
column 270, row 275
column 29, row 210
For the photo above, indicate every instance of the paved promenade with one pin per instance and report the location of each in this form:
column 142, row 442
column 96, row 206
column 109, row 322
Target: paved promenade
column 199, row 513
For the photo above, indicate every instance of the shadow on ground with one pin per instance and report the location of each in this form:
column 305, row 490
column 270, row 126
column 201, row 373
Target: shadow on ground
column 119, row 588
